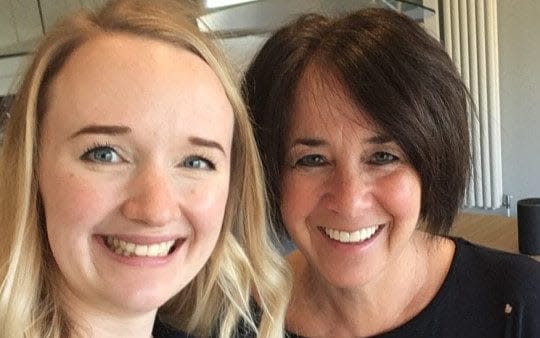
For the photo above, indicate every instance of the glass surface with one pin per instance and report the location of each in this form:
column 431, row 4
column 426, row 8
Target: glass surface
column 22, row 22
column 242, row 29
column 225, row 18
column 263, row 17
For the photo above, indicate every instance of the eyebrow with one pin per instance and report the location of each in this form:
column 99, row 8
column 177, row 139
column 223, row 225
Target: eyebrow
column 317, row 142
column 119, row 130
column 102, row 129
column 206, row 143
column 310, row 142
column 380, row 139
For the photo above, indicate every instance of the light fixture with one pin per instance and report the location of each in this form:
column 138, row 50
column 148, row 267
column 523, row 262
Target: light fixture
column 211, row 4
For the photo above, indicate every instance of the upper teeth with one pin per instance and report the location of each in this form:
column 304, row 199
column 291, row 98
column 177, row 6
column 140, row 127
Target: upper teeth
column 122, row 247
column 355, row 236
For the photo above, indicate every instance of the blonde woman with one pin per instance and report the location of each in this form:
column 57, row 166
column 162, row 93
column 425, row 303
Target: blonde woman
column 130, row 179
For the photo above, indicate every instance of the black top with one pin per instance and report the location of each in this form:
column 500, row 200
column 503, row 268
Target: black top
column 162, row 330
column 482, row 285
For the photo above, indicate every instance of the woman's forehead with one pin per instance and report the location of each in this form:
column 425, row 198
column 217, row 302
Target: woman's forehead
column 322, row 99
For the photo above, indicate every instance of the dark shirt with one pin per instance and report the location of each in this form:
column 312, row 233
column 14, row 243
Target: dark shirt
column 163, row 330
column 481, row 286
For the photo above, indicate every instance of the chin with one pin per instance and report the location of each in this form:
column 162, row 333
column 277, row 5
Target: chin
column 347, row 281
column 143, row 300
column 142, row 306
column 350, row 277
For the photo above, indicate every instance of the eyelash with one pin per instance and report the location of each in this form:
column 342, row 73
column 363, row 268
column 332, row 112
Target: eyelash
column 375, row 159
column 211, row 165
column 302, row 162
column 392, row 158
column 100, row 146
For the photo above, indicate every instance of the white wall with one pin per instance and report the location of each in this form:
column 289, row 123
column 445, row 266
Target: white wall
column 519, row 62
column 10, row 70
column 20, row 28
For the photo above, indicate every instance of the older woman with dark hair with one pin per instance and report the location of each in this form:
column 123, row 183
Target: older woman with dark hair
column 362, row 126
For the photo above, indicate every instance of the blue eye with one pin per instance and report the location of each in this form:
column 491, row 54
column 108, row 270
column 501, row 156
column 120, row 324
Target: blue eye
column 101, row 154
column 313, row 160
column 382, row 157
column 198, row 162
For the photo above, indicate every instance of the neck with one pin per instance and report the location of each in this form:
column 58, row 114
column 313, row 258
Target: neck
column 392, row 298
column 102, row 325
column 94, row 321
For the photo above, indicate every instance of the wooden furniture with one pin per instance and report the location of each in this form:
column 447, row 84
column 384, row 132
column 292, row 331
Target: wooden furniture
column 498, row 232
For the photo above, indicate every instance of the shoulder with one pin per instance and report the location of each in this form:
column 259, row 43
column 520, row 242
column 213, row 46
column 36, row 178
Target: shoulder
column 513, row 265
column 512, row 273
column 163, row 330
column 485, row 294
column 505, row 278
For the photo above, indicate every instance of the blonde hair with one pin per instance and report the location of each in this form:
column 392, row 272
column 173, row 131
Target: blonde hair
column 244, row 263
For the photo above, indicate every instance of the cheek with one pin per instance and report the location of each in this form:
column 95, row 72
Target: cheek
column 299, row 196
column 401, row 194
column 73, row 203
column 205, row 207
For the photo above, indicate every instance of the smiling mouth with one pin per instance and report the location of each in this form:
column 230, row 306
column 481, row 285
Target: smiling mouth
column 124, row 248
column 357, row 236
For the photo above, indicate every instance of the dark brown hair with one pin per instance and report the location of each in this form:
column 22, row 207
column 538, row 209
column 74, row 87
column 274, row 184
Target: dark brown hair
column 396, row 73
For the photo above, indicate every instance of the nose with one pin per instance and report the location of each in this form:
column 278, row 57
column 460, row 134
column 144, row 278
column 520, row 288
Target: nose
column 348, row 192
column 152, row 199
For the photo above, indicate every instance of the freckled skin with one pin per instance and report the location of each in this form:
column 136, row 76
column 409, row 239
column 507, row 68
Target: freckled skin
column 150, row 189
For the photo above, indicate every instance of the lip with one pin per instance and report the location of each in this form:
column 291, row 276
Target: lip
column 352, row 245
column 136, row 261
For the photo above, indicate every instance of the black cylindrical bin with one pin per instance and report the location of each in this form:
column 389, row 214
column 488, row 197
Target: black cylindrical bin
column 528, row 214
